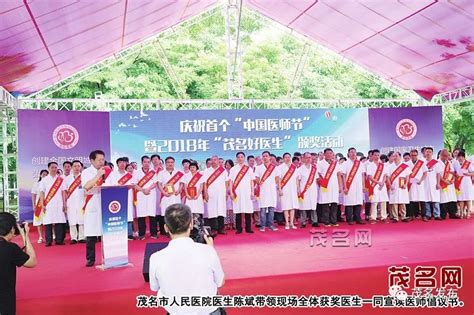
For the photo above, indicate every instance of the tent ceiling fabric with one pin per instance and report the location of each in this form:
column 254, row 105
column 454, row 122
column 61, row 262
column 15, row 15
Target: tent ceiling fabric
column 44, row 41
column 423, row 45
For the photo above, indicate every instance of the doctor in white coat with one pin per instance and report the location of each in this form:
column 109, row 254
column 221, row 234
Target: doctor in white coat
column 92, row 212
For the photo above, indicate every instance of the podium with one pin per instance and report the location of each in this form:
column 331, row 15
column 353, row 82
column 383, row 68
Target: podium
column 114, row 210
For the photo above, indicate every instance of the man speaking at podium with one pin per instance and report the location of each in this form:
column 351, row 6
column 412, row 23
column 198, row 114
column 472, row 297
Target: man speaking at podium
column 185, row 268
column 92, row 177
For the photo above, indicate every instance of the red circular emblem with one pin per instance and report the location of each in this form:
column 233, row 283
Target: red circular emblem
column 114, row 206
column 65, row 136
column 406, row 129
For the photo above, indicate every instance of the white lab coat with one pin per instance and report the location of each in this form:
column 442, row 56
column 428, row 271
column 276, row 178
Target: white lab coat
column 93, row 211
column 146, row 204
column 163, row 177
column 75, row 202
column 197, row 205
column 355, row 195
column 448, row 194
column 380, row 194
column 466, row 187
column 268, row 190
column 417, row 191
column 289, row 200
column 332, row 193
column 310, row 199
column 217, row 191
column 54, row 210
column 397, row 194
column 243, row 203
column 35, row 190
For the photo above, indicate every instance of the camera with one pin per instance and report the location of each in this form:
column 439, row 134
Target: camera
column 21, row 225
column 199, row 230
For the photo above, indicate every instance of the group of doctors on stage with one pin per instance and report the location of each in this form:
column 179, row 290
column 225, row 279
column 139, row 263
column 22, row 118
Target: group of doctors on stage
column 314, row 188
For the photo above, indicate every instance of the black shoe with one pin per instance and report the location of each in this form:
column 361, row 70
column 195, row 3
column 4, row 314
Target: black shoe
column 73, row 242
column 222, row 232
column 48, row 244
column 455, row 217
column 360, row 222
column 351, row 223
column 438, row 219
column 406, row 220
column 257, row 225
column 303, row 226
column 238, row 232
column 249, row 231
column 394, row 221
column 131, row 238
column 163, row 233
column 82, row 241
column 315, row 225
column 60, row 243
column 90, row 263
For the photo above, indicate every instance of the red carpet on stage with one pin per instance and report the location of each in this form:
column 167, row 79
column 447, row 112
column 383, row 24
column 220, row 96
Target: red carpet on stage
column 276, row 263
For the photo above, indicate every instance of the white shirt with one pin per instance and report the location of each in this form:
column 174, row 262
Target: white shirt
column 268, row 191
column 186, row 268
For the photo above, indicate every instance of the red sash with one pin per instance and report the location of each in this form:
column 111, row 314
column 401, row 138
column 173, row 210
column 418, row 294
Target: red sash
column 414, row 171
column 215, row 175
column 100, row 182
column 377, row 175
column 142, row 182
column 192, row 189
column 324, row 182
column 125, row 178
column 397, row 172
column 173, row 180
column 446, row 176
column 76, row 183
column 265, row 176
column 309, row 182
column 238, row 179
column 457, row 183
column 50, row 195
column 431, row 163
column 291, row 170
column 352, row 174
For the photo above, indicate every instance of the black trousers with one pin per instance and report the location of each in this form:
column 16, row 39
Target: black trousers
column 142, row 226
column 416, row 208
column 339, row 213
column 238, row 221
column 90, row 247
column 329, row 213
column 279, row 218
column 353, row 213
column 59, row 231
column 448, row 208
column 367, row 210
column 161, row 223
column 319, row 212
column 216, row 224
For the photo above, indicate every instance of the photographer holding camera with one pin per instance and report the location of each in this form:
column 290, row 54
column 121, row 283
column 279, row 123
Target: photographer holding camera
column 184, row 267
column 11, row 257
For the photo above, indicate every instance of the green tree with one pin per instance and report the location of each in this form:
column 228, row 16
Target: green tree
column 458, row 121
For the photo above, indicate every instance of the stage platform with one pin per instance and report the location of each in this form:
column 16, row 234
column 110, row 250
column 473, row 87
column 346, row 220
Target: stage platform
column 277, row 263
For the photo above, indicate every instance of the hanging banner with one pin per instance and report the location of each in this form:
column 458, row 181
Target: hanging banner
column 199, row 134
column 403, row 129
column 55, row 136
